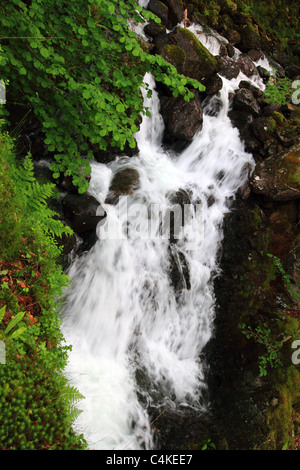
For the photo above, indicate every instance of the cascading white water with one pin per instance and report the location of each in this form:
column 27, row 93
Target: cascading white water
column 136, row 341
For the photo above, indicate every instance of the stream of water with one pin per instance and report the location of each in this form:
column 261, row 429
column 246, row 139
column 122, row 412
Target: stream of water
column 137, row 341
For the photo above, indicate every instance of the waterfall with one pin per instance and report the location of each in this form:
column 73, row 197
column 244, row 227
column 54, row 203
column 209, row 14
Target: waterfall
column 137, row 339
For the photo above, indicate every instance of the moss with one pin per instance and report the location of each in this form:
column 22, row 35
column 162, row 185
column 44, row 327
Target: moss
column 174, row 54
column 278, row 117
column 279, row 418
column 228, row 5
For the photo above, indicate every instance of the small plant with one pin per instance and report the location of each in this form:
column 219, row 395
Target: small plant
column 278, row 91
column 261, row 334
column 208, row 445
column 292, row 288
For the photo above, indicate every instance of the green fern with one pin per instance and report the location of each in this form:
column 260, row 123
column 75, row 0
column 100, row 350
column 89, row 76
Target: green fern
column 35, row 197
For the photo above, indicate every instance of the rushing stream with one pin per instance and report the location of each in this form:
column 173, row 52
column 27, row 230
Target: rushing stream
column 137, row 341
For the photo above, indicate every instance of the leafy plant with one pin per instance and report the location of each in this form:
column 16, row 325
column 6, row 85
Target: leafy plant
column 37, row 404
column 278, row 91
column 292, row 288
column 208, row 445
column 80, row 67
column 261, row 334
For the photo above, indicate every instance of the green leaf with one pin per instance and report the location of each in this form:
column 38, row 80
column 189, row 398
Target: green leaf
column 2, row 312
column 14, row 322
column 18, row 332
column 120, row 108
column 45, row 52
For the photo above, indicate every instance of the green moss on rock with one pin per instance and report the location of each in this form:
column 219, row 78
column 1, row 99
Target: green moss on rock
column 175, row 55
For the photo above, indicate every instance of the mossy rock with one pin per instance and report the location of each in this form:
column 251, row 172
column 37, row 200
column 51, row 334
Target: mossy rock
column 175, row 55
column 228, row 5
column 199, row 63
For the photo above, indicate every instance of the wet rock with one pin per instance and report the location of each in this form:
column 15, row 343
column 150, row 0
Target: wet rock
column 263, row 73
column 182, row 120
column 242, row 121
column 247, row 65
column 228, row 68
column 83, row 212
column 244, row 101
column 213, row 84
column 223, row 50
column 255, row 54
column 179, row 271
column 124, row 182
column 278, row 177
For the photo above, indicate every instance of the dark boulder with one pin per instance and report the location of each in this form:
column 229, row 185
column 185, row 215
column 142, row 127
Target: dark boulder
column 124, row 183
column 247, row 66
column 244, row 101
column 182, row 119
column 179, row 272
column 242, row 120
column 160, row 10
column 196, row 61
column 82, row 212
column 154, row 30
column 175, row 12
column 263, row 128
column 257, row 93
column 233, row 37
column 228, row 68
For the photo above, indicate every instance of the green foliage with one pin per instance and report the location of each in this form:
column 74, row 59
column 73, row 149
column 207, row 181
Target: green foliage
column 278, row 91
column 262, row 335
column 280, row 19
column 34, row 415
column 80, row 67
column 37, row 404
column 208, row 445
column 292, row 288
